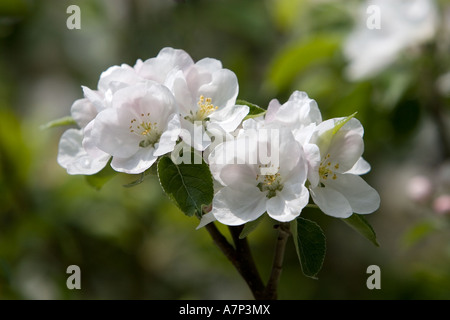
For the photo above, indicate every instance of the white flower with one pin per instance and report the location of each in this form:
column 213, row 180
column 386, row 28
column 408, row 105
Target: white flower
column 206, row 94
column 300, row 114
column 71, row 153
column 340, row 191
column 403, row 24
column 78, row 153
column 141, row 125
column 157, row 69
column 253, row 184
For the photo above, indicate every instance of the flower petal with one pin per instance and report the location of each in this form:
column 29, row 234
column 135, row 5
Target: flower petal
column 137, row 163
column 111, row 134
column 222, row 89
column 361, row 167
column 238, row 176
column 117, row 77
column 169, row 137
column 229, row 118
column 159, row 67
column 345, row 149
column 299, row 109
column 282, row 209
column 206, row 219
column 362, row 198
column 83, row 112
column 194, row 135
column 331, row 202
column 234, row 207
column 74, row 158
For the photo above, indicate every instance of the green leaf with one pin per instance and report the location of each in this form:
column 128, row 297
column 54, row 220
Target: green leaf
column 251, row 226
column 360, row 224
column 296, row 58
column 419, row 232
column 189, row 186
column 64, row 121
column 255, row 111
column 99, row 179
column 310, row 244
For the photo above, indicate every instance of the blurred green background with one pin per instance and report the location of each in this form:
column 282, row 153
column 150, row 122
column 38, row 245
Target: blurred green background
column 132, row 243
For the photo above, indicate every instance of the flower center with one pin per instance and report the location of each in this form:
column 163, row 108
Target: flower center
column 145, row 129
column 270, row 183
column 326, row 168
column 205, row 108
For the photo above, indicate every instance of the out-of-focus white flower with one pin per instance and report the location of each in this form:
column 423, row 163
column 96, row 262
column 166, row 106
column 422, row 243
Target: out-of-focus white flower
column 403, row 24
column 419, row 189
column 206, row 94
column 340, row 190
column 246, row 193
column 441, row 204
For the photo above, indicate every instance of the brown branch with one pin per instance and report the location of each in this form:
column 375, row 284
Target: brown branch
column 270, row 291
column 223, row 244
column 246, row 264
column 241, row 258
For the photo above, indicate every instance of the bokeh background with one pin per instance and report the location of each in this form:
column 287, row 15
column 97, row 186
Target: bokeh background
column 132, row 243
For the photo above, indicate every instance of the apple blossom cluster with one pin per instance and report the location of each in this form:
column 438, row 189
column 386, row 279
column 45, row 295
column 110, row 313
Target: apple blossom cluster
column 270, row 161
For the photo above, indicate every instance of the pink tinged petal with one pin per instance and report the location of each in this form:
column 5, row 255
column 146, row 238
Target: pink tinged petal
column 169, row 137
column 83, row 112
column 272, row 109
column 178, row 85
column 299, row 110
column 117, row 77
column 137, row 163
column 167, row 60
column 96, row 97
column 361, row 167
column 253, row 123
column 73, row 157
column 345, row 149
column 310, row 109
column 209, row 65
column 331, row 202
column 234, row 207
column 362, row 198
column 229, row 118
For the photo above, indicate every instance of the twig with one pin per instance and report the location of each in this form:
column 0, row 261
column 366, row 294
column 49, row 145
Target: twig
column 247, row 267
column 270, row 291
column 223, row 244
